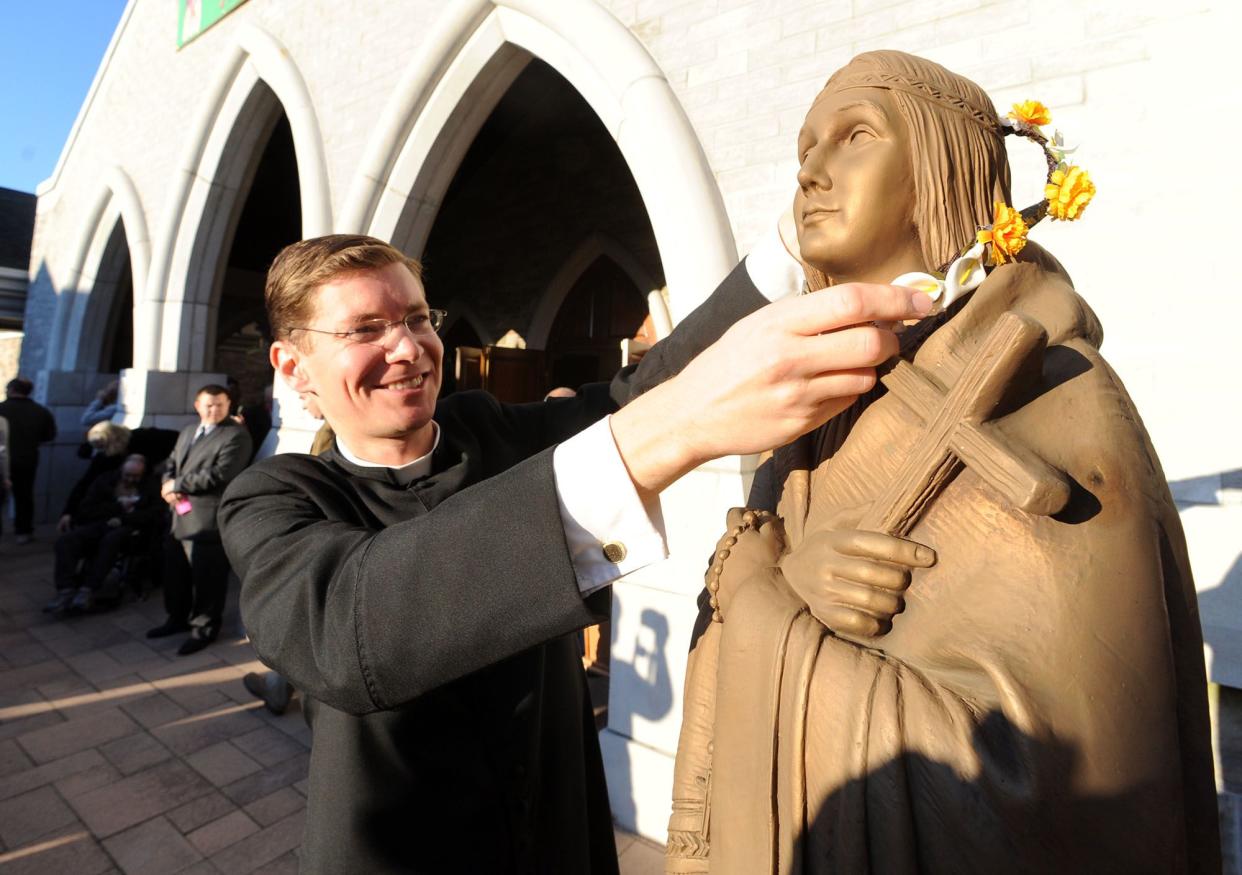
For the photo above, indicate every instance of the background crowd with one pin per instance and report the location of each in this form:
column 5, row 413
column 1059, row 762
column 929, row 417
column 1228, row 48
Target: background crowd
column 142, row 515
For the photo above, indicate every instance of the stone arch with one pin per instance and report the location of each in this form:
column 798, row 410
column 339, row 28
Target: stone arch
column 594, row 246
column 459, row 310
column 84, row 299
column 257, row 80
column 471, row 56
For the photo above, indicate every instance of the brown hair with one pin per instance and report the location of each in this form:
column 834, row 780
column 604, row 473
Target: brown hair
column 958, row 156
column 212, row 389
column 303, row 267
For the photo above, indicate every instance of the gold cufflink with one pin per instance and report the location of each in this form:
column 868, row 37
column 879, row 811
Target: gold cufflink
column 614, row 551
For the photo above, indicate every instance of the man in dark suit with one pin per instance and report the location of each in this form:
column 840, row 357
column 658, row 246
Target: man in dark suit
column 421, row 582
column 30, row 424
column 205, row 460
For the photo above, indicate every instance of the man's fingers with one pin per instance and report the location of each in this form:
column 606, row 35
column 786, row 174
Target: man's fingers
column 840, row 386
column 853, row 304
column 874, row 545
column 859, row 346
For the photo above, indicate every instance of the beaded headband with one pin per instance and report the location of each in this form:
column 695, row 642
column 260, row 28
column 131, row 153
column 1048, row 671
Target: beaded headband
column 985, row 118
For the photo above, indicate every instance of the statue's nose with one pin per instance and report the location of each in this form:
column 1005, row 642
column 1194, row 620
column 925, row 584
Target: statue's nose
column 813, row 173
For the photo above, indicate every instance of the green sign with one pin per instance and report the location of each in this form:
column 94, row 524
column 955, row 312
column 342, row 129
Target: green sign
column 195, row 16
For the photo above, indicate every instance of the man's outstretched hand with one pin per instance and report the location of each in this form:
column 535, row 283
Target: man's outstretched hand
column 773, row 376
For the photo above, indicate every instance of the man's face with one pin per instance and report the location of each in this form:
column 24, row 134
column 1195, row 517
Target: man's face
column 211, row 409
column 132, row 473
column 855, row 202
column 371, row 390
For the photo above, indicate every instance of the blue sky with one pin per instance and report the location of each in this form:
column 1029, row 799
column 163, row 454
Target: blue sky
column 49, row 51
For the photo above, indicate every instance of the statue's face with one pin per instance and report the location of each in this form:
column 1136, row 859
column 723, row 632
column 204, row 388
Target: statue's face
column 855, row 204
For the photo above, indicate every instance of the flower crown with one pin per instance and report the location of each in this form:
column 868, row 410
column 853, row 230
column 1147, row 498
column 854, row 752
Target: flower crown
column 1066, row 195
column 1068, row 191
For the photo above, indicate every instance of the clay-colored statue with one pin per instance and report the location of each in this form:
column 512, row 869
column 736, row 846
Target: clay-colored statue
column 957, row 632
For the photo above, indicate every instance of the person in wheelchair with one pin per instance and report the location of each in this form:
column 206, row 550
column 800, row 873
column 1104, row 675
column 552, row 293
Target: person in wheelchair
column 108, row 445
column 120, row 511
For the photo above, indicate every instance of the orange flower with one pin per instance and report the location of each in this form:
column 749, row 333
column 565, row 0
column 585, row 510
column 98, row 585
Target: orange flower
column 1068, row 191
column 1031, row 112
column 1007, row 234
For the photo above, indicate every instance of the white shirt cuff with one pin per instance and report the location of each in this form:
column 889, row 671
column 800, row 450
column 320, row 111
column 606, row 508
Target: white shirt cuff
column 775, row 273
column 602, row 511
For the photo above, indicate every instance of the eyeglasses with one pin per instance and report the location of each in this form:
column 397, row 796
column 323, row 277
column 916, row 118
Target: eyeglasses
column 378, row 330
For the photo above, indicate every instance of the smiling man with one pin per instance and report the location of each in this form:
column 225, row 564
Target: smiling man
column 421, row 581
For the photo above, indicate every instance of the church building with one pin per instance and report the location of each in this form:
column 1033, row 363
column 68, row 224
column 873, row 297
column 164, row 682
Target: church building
column 579, row 174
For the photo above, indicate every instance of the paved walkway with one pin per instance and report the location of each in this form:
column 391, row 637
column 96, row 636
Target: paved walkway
column 116, row 755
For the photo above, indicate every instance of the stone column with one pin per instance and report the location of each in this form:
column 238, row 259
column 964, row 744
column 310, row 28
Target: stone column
column 293, row 429
column 161, row 399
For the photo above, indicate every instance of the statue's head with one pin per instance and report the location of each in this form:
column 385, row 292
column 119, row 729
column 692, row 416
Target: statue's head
column 901, row 162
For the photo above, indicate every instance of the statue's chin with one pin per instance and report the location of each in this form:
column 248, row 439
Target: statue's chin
column 830, row 263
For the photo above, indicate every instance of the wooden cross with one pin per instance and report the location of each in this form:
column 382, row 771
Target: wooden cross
column 958, row 432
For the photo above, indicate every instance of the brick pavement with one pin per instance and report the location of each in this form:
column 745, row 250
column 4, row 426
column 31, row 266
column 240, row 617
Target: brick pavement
column 116, row 755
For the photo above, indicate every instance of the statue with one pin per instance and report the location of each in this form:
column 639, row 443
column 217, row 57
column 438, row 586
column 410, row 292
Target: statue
column 956, row 631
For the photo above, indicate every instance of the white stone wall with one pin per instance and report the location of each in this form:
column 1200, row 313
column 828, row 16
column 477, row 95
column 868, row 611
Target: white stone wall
column 1141, row 85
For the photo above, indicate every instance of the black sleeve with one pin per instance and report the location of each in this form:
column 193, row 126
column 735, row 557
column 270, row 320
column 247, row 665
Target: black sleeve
column 542, row 424
column 170, row 464
column 79, row 490
column 365, row 620
column 99, row 503
column 734, row 298
column 154, row 444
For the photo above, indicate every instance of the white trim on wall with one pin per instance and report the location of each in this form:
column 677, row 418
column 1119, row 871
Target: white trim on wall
column 115, row 201
column 257, row 75
column 470, row 58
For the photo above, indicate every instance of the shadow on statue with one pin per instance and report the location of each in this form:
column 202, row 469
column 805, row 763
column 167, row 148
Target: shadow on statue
column 918, row 815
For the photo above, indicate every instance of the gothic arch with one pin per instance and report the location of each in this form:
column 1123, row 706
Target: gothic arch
column 257, row 80
column 584, row 255
column 470, row 58
column 83, row 299
column 459, row 311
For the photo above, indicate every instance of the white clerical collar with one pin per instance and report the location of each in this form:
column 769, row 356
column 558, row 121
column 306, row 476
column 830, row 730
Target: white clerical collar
column 407, row 473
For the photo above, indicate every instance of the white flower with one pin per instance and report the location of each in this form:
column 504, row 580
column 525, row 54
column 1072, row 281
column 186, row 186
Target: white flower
column 964, row 275
column 1058, row 149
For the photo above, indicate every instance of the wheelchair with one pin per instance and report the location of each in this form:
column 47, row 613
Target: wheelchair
column 135, row 572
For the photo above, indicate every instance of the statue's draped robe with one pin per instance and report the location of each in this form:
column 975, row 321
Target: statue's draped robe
column 1040, row 706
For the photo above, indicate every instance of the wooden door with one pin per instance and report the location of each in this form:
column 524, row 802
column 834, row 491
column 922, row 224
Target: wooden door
column 513, row 376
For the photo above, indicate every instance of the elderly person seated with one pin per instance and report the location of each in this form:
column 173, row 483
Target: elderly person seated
column 111, row 444
column 118, row 505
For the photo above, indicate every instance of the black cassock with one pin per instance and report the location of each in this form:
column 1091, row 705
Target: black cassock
column 432, row 626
